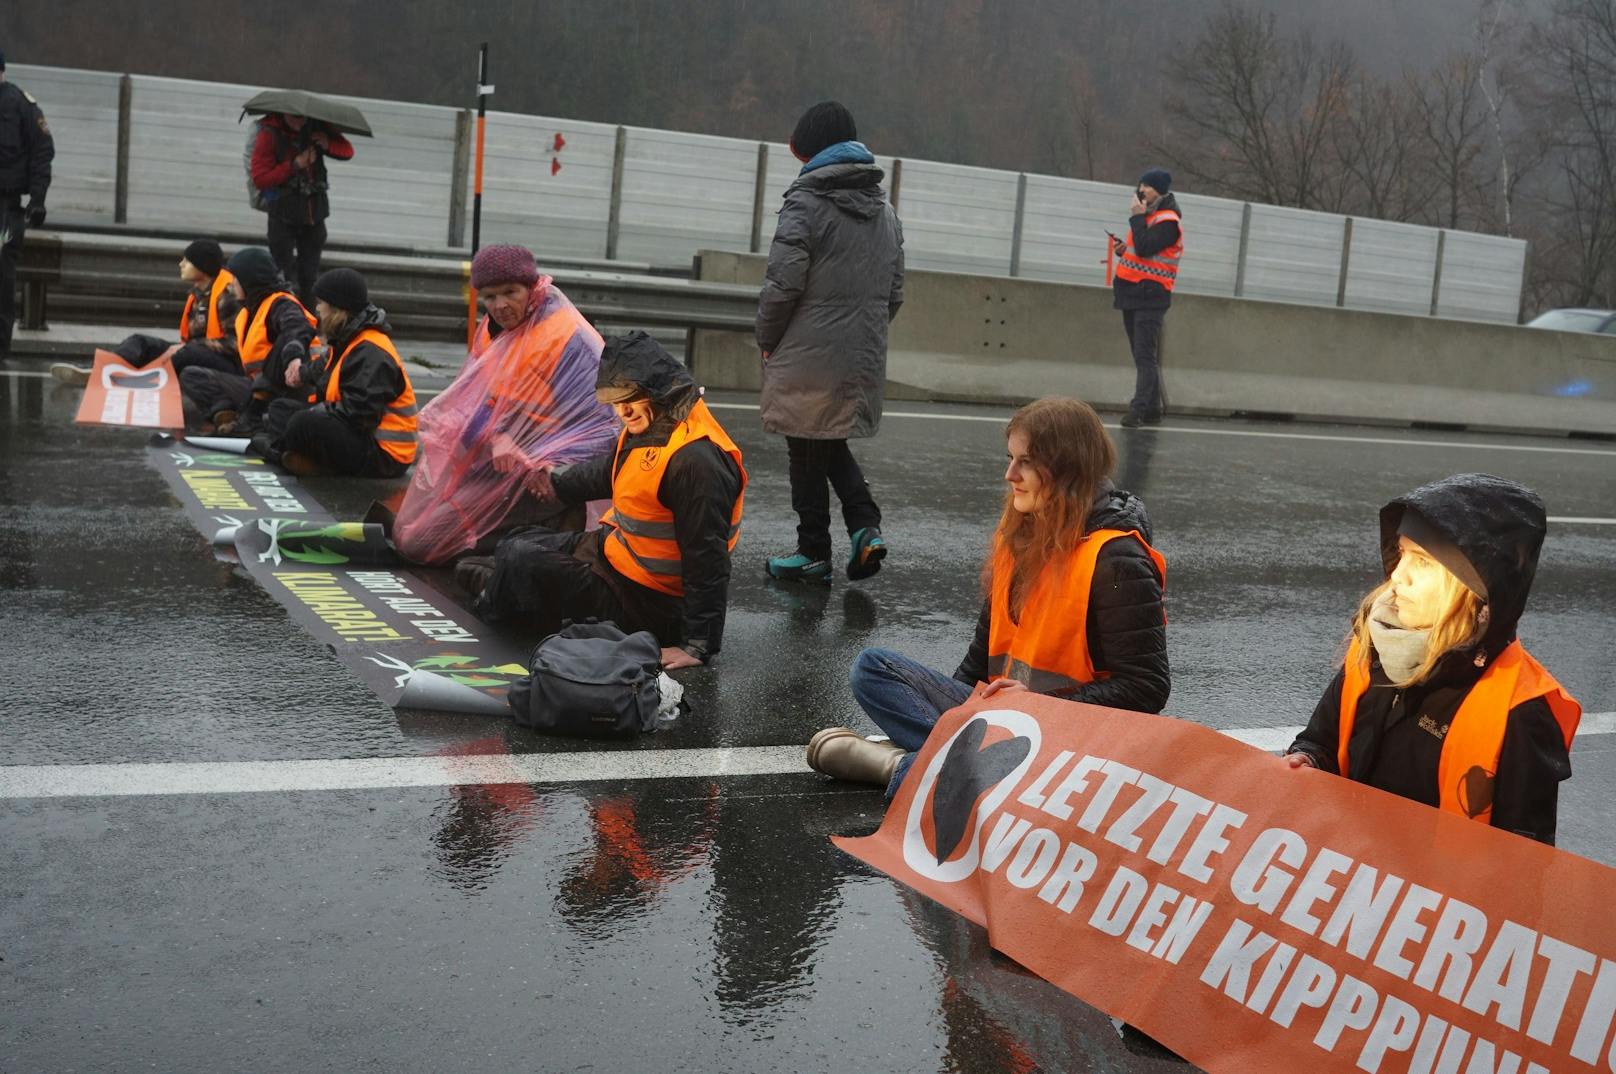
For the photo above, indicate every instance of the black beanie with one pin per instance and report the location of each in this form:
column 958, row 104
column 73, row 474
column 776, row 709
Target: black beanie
column 821, row 127
column 206, row 256
column 343, row 288
column 256, row 271
column 1158, row 179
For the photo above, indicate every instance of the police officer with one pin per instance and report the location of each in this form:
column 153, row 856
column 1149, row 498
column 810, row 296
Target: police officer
column 26, row 151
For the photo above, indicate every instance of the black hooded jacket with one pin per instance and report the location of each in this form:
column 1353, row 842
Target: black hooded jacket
column 1398, row 734
column 287, row 325
column 369, row 378
column 1127, row 630
column 700, row 487
column 1147, row 242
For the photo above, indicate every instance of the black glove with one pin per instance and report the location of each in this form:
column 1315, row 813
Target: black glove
column 36, row 213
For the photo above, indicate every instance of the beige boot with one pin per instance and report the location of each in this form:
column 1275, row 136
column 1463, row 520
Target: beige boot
column 843, row 753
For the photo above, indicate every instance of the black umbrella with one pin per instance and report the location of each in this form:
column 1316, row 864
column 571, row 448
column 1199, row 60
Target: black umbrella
column 335, row 114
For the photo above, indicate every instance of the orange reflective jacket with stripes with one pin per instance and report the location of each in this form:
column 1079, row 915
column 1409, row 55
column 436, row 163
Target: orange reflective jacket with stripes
column 252, row 337
column 1163, row 268
column 641, row 541
column 1475, row 738
column 396, row 432
column 215, row 330
column 1047, row 649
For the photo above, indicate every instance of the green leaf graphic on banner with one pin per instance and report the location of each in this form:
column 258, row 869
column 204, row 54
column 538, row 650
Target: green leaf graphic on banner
column 456, row 668
column 317, row 554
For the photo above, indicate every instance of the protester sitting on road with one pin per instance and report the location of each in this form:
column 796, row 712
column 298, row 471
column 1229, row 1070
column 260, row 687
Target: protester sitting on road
column 523, row 404
column 661, row 559
column 1072, row 608
column 835, row 278
column 207, row 324
column 272, row 331
column 1437, row 699
column 359, row 419
column 288, row 165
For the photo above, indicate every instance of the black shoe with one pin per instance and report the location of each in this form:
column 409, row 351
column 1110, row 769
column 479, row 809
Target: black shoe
column 1131, row 420
column 472, row 574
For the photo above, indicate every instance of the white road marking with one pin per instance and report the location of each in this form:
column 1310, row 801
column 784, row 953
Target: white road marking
column 1567, row 520
column 1337, row 438
column 239, row 777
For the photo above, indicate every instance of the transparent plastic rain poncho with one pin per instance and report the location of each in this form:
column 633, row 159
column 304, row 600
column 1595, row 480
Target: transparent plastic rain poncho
column 528, row 396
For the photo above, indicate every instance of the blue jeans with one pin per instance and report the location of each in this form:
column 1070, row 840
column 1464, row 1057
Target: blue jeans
column 904, row 699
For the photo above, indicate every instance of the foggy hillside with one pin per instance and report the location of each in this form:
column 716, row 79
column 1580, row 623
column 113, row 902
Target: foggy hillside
column 956, row 80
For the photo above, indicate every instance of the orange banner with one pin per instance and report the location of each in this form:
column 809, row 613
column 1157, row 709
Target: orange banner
column 120, row 394
column 1251, row 917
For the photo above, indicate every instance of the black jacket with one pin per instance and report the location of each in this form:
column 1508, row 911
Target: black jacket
column 1127, row 631
column 700, row 487
column 369, row 379
column 1147, row 242
column 1396, row 742
column 26, row 146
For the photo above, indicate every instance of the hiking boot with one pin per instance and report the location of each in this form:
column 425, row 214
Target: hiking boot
column 472, row 574
column 869, row 549
column 1131, row 420
column 299, row 464
column 71, row 374
column 843, row 753
column 798, row 568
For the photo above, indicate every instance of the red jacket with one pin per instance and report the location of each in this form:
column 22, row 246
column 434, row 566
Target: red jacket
column 270, row 168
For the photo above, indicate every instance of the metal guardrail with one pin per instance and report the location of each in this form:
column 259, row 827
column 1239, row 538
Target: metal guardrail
column 116, row 279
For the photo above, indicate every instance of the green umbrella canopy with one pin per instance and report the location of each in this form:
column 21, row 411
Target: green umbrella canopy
column 343, row 117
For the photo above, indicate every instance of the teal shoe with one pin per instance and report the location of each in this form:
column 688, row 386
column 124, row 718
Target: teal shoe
column 869, row 549
column 798, row 568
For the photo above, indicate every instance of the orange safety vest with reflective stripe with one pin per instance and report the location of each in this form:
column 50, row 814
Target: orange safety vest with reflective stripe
column 396, row 432
column 215, row 330
column 252, row 338
column 641, row 540
column 1163, row 268
column 1048, row 648
column 1475, row 738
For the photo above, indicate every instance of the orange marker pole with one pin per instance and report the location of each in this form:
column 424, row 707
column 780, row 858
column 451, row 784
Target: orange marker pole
column 483, row 90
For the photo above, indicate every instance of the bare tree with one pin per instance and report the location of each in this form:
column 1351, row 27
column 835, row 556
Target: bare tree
column 1256, row 109
column 1453, row 124
column 1575, row 107
column 1375, row 146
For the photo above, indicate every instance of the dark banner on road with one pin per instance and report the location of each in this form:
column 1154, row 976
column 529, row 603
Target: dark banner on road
column 221, row 490
column 1250, row 916
column 410, row 643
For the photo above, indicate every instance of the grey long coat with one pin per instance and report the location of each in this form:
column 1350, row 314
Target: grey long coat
column 835, row 280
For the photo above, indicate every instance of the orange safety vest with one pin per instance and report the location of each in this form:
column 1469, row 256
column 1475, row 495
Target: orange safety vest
column 1476, row 735
column 1163, row 268
column 252, row 339
column 640, row 541
column 396, row 433
column 1048, row 649
column 215, row 330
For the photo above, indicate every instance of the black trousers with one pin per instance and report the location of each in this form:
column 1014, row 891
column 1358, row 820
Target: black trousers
column 140, row 350
column 296, row 248
column 210, row 390
column 327, row 440
column 1144, row 340
column 817, row 466
column 11, row 225
column 540, row 581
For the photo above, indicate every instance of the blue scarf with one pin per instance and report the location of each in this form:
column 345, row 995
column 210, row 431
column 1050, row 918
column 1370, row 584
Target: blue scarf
column 840, row 153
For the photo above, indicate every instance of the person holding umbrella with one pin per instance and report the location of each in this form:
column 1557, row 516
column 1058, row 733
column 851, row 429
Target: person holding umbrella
column 288, row 172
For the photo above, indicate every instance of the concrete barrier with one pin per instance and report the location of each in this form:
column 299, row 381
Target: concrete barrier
column 995, row 339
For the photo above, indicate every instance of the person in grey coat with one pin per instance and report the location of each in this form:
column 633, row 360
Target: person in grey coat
column 835, row 280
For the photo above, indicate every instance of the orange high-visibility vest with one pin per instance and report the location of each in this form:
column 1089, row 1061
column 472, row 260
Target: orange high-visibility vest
column 1048, row 649
column 640, row 541
column 1163, row 268
column 215, row 330
column 396, row 433
column 1475, row 738
column 252, row 339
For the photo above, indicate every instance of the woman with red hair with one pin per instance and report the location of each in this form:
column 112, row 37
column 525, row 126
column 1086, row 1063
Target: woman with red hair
column 1072, row 603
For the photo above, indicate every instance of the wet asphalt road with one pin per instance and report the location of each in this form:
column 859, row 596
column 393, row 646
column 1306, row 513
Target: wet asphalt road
column 694, row 923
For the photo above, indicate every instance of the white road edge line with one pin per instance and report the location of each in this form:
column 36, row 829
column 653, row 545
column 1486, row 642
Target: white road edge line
column 379, row 773
column 1567, row 520
column 1327, row 437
